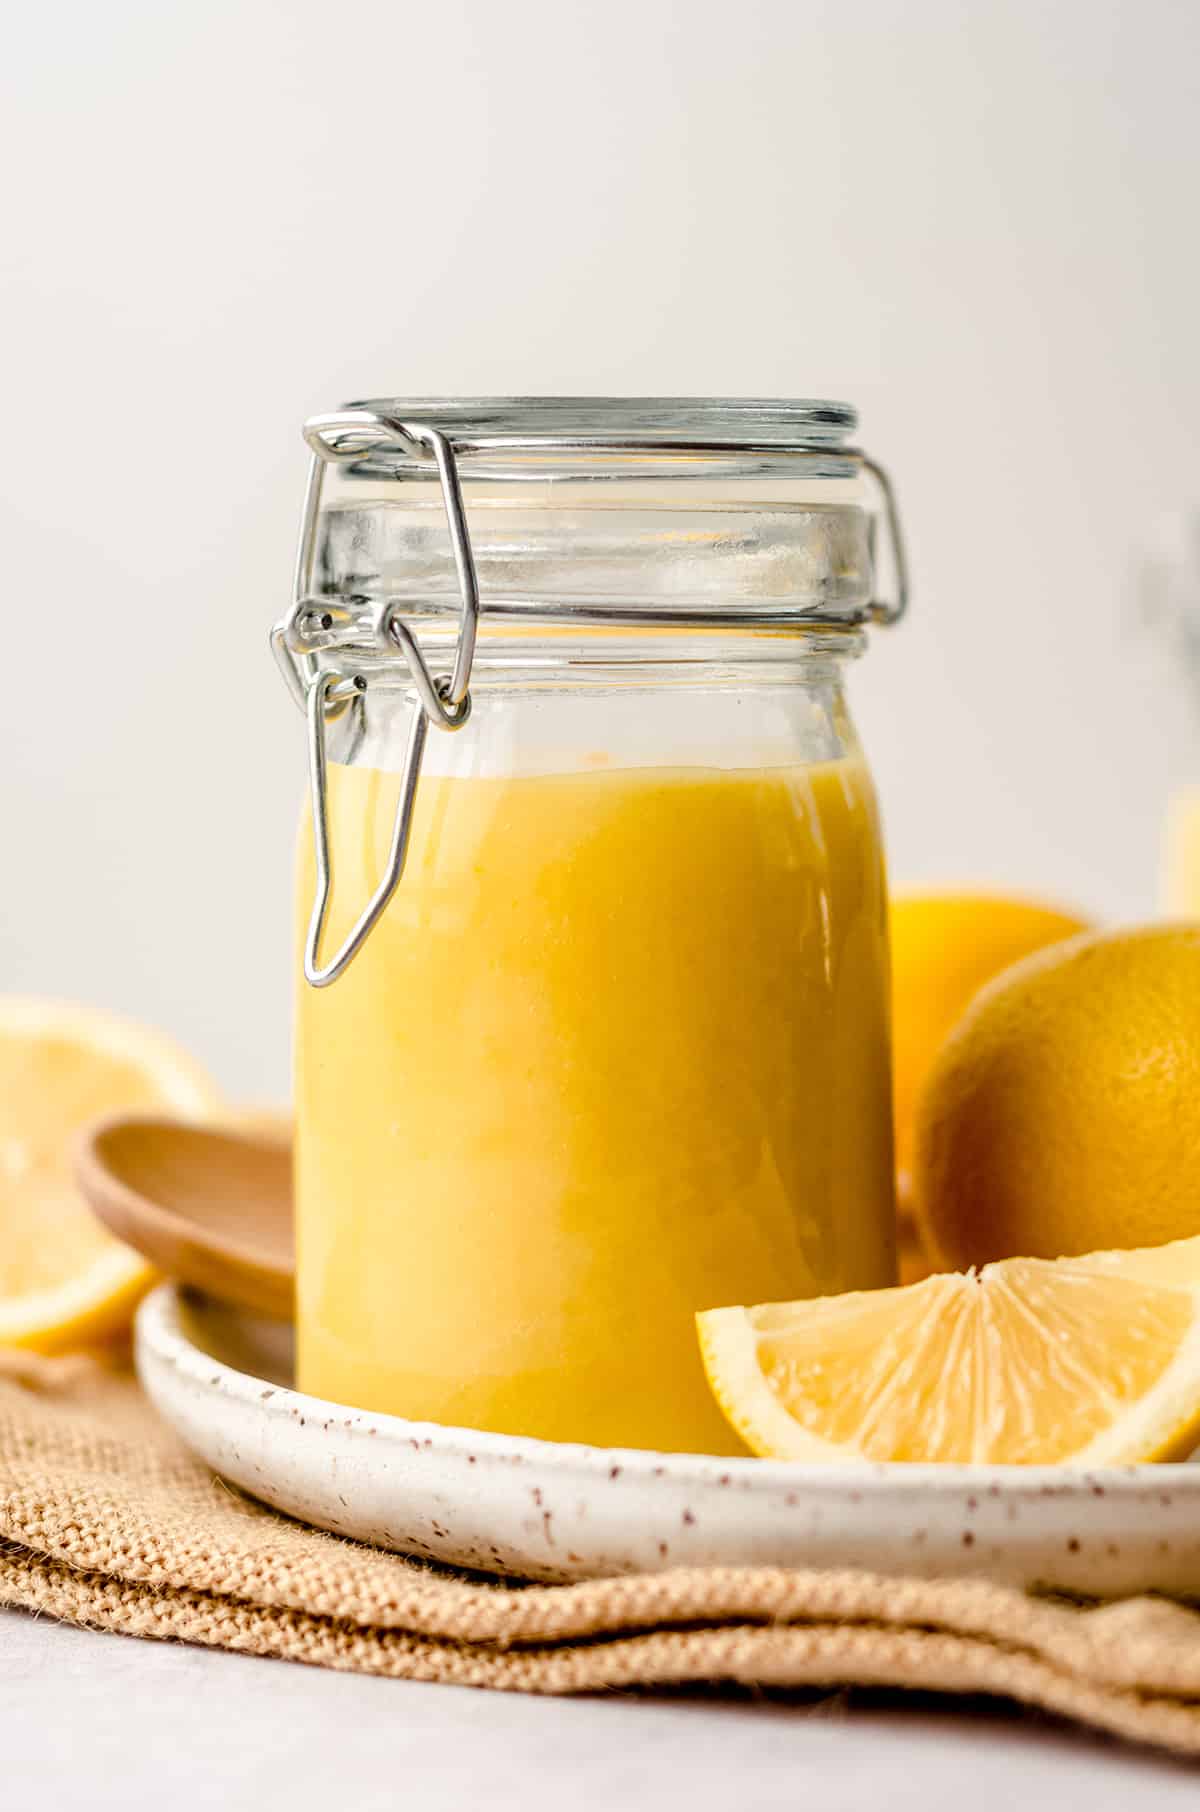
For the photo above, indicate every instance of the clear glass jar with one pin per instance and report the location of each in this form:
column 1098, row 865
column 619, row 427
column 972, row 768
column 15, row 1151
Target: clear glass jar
column 604, row 1037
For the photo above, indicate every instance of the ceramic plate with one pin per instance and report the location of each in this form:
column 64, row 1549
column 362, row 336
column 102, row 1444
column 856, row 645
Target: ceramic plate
column 546, row 1510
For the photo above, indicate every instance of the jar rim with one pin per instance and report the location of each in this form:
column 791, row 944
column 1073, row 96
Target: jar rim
column 485, row 422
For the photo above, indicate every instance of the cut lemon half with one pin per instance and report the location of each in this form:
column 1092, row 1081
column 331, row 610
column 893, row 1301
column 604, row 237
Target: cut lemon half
column 1087, row 1361
column 65, row 1281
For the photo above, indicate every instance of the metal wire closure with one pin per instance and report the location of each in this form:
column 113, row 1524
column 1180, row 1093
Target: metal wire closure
column 445, row 703
column 317, row 974
column 324, row 692
column 881, row 610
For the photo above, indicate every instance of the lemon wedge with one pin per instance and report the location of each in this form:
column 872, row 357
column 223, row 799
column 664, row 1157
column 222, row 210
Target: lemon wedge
column 1086, row 1361
column 64, row 1281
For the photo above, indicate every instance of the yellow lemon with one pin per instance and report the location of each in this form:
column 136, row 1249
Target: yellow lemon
column 1063, row 1113
column 1087, row 1361
column 945, row 946
column 64, row 1281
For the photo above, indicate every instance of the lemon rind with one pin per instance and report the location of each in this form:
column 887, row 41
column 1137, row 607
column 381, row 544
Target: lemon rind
column 728, row 1347
column 94, row 1302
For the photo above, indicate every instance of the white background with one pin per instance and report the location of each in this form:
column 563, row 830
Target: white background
column 976, row 219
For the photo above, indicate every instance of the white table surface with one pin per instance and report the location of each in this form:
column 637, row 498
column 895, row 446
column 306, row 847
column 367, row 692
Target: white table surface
column 94, row 1722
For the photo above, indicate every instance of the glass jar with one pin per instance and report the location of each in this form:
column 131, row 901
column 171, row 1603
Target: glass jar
column 593, row 1027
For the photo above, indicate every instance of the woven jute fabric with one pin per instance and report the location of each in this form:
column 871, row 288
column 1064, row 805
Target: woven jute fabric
column 106, row 1521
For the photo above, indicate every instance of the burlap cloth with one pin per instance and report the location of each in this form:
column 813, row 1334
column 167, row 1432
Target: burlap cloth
column 105, row 1520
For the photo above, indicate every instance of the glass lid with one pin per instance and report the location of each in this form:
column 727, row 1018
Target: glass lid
column 747, row 423
column 598, row 510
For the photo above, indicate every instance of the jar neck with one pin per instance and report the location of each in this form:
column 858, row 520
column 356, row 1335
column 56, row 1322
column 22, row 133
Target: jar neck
column 543, row 655
column 550, row 703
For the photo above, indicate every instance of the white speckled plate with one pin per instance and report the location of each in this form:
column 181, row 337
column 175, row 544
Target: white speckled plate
column 545, row 1510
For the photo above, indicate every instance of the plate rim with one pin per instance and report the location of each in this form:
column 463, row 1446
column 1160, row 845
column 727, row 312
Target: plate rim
column 160, row 1334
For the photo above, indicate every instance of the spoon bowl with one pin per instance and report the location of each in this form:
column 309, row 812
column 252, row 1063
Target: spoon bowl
column 206, row 1205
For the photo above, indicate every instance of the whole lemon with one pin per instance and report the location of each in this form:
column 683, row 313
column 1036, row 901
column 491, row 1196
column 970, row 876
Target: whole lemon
column 945, row 946
column 1063, row 1113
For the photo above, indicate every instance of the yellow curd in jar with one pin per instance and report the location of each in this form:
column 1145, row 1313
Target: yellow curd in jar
column 616, row 1052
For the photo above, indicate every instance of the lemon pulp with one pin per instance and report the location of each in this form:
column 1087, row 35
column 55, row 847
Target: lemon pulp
column 63, row 1279
column 1089, row 1360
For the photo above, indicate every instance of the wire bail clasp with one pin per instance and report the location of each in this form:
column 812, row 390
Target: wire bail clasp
column 886, row 611
column 443, row 702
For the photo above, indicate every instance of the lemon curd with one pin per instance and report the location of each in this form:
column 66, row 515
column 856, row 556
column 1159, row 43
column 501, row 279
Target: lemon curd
column 616, row 1052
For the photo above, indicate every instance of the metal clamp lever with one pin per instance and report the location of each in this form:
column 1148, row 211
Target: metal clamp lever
column 881, row 611
column 317, row 974
column 445, row 703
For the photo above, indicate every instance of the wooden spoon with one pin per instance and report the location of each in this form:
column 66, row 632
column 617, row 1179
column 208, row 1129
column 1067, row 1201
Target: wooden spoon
column 210, row 1207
